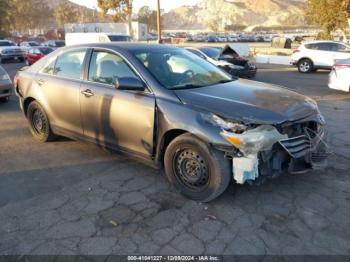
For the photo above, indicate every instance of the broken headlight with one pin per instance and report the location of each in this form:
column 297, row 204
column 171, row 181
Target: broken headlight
column 254, row 140
column 224, row 124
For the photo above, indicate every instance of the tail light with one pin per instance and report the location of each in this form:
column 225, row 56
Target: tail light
column 16, row 80
column 296, row 51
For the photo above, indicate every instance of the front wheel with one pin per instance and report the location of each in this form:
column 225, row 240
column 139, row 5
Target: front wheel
column 305, row 66
column 39, row 124
column 199, row 172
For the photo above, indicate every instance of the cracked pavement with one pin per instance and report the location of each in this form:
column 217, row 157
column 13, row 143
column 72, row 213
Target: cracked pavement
column 69, row 197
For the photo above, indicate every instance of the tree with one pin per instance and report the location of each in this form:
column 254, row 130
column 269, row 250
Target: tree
column 5, row 18
column 330, row 14
column 148, row 16
column 121, row 10
column 65, row 13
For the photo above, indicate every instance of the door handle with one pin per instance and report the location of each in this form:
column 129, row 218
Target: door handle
column 87, row 93
column 40, row 82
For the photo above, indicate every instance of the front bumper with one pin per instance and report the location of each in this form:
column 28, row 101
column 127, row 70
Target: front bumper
column 298, row 152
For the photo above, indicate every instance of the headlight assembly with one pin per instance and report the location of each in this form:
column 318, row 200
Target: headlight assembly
column 4, row 77
column 224, row 124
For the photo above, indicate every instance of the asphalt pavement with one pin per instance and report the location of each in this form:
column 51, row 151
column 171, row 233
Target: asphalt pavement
column 69, row 197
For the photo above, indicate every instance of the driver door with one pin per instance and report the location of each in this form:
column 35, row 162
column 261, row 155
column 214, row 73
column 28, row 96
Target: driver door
column 112, row 117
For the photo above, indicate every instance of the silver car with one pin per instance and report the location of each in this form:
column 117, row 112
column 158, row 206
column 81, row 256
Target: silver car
column 5, row 85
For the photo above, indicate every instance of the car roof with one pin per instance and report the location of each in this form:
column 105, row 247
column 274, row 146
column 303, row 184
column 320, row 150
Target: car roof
column 124, row 46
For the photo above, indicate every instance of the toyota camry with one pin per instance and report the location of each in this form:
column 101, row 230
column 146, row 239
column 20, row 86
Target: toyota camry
column 172, row 109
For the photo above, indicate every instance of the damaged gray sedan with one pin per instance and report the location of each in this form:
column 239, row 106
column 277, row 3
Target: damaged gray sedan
column 171, row 109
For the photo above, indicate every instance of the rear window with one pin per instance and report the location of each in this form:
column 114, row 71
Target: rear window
column 69, row 64
column 211, row 52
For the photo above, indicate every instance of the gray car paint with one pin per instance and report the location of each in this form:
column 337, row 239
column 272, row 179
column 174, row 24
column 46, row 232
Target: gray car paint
column 165, row 114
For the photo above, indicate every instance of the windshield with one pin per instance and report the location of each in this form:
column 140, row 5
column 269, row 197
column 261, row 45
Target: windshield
column 5, row 43
column 212, row 52
column 33, row 44
column 180, row 69
column 46, row 50
column 59, row 43
column 119, row 38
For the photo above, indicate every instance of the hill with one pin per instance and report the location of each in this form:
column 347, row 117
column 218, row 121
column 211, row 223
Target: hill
column 218, row 14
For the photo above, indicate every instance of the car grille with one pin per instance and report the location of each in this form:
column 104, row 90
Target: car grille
column 297, row 146
column 306, row 139
column 13, row 51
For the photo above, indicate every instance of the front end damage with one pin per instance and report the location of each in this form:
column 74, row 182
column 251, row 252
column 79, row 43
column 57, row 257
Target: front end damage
column 265, row 151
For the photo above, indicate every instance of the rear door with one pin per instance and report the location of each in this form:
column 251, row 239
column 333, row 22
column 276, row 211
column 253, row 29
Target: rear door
column 59, row 82
column 116, row 118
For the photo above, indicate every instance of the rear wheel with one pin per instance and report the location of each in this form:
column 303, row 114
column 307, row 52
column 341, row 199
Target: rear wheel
column 199, row 172
column 305, row 66
column 39, row 124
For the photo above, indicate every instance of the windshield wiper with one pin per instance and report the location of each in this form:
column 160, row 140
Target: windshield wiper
column 188, row 86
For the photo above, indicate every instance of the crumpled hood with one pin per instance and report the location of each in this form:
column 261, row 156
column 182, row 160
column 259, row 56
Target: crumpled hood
column 250, row 102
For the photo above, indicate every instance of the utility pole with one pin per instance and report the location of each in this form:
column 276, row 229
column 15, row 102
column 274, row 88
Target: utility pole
column 159, row 30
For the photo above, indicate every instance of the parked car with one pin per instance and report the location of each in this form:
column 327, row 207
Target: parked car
column 55, row 43
column 85, row 38
column 9, row 51
column 229, row 55
column 319, row 55
column 27, row 44
column 168, row 107
column 33, row 54
column 339, row 78
column 233, row 70
column 5, row 85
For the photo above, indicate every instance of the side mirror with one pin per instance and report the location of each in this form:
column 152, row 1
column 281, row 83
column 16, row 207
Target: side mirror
column 129, row 83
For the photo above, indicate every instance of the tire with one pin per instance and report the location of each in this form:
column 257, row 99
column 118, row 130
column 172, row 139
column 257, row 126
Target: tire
column 199, row 172
column 39, row 124
column 1, row 60
column 305, row 66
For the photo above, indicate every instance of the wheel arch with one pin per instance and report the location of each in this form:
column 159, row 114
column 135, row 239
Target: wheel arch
column 166, row 139
column 26, row 104
column 305, row 57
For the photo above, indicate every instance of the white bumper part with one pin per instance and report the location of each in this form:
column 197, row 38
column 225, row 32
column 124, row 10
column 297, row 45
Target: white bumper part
column 245, row 168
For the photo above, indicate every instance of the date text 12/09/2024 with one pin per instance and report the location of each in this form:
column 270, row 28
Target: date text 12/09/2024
column 174, row 258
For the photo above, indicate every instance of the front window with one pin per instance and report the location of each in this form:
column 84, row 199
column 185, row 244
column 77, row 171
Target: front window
column 179, row 69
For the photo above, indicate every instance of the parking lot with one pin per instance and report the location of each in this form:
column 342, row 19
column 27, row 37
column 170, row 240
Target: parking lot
column 69, row 197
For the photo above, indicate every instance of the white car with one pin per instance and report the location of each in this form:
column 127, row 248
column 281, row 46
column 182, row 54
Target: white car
column 319, row 55
column 9, row 50
column 339, row 78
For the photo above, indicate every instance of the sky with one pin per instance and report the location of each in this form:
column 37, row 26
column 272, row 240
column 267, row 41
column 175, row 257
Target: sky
column 164, row 4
